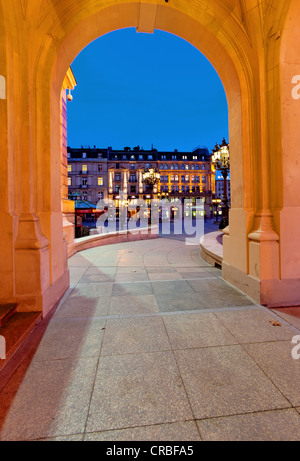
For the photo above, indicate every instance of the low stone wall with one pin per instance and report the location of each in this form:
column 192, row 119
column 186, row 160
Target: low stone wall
column 211, row 248
column 110, row 238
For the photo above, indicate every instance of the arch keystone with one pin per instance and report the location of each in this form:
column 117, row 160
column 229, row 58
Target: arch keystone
column 147, row 17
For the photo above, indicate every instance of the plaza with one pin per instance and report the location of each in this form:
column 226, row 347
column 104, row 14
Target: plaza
column 149, row 343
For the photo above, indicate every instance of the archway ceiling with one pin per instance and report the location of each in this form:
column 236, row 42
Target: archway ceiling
column 41, row 12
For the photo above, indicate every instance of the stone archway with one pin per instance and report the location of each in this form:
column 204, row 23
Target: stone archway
column 243, row 47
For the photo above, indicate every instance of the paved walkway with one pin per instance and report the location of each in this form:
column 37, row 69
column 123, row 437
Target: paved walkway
column 150, row 344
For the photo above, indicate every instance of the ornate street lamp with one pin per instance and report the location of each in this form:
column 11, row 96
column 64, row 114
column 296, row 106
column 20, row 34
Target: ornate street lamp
column 151, row 177
column 220, row 159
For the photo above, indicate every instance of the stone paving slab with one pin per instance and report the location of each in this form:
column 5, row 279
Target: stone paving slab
column 224, row 380
column 195, row 331
column 171, row 432
column 275, row 359
column 53, row 400
column 135, row 335
column 276, row 426
column 137, row 390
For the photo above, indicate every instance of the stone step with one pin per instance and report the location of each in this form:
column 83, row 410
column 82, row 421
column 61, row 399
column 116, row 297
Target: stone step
column 16, row 330
column 6, row 312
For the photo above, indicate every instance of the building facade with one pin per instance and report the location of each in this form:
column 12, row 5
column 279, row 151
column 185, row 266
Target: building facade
column 95, row 174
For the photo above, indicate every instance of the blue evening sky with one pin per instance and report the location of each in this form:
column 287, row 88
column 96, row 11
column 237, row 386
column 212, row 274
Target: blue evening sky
column 143, row 89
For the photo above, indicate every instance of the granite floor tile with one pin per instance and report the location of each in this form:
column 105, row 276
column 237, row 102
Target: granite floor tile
column 80, row 260
column 254, row 325
column 96, row 278
column 131, row 270
column 164, row 269
column 76, row 273
column 75, row 307
column 53, row 400
column 132, row 289
column 164, row 276
column 172, row 288
column 136, row 304
column 70, row 338
column 184, row 431
column 215, row 300
column 269, row 426
column 290, row 315
column 137, row 390
column 275, row 359
column 223, row 381
column 215, row 285
column 196, row 330
column 134, row 335
column 100, row 270
column 179, row 302
column 132, row 277
column 197, row 275
column 92, row 290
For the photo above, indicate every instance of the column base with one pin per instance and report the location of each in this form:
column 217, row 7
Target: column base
column 244, row 282
column 44, row 301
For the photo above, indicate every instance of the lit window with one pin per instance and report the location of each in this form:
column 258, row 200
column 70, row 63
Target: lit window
column 186, row 167
column 69, row 181
column 84, row 168
column 100, row 181
column 69, row 168
column 187, row 178
column 176, row 177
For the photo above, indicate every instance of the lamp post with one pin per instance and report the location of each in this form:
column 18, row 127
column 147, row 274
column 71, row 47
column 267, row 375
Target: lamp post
column 151, row 176
column 216, row 202
column 220, row 159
